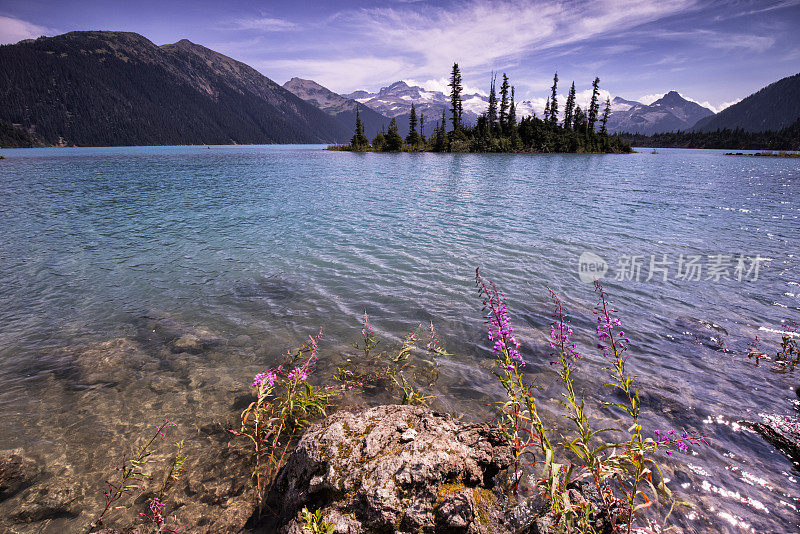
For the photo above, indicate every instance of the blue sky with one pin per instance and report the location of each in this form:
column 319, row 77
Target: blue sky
column 712, row 52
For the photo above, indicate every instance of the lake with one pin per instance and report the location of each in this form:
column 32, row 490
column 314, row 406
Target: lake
column 109, row 256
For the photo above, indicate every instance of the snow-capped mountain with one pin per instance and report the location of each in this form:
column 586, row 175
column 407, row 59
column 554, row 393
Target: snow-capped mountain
column 669, row 113
column 343, row 109
column 686, row 110
column 320, row 96
column 620, row 104
column 396, row 99
column 525, row 109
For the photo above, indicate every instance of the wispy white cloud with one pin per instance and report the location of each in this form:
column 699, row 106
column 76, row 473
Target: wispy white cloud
column 435, row 37
column 729, row 14
column 13, row 30
column 368, row 48
column 618, row 49
column 719, row 40
column 479, row 34
column 262, row 23
column 649, row 99
column 715, row 108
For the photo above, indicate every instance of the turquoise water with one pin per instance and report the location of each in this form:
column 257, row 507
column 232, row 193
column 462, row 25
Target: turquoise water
column 257, row 247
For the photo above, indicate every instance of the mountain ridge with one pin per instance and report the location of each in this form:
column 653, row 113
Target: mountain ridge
column 394, row 100
column 771, row 108
column 670, row 113
column 118, row 88
column 338, row 106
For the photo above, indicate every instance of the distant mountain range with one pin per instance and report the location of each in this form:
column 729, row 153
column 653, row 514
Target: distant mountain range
column 669, row 113
column 339, row 107
column 118, row 88
column 395, row 101
column 96, row 88
column 774, row 107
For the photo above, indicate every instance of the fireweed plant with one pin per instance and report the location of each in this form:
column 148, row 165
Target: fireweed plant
column 631, row 464
column 787, row 357
column 156, row 518
column 789, row 354
column 132, row 475
column 369, row 341
column 392, row 367
column 174, row 470
column 622, row 471
column 285, row 404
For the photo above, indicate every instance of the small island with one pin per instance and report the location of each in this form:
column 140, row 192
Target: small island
column 497, row 130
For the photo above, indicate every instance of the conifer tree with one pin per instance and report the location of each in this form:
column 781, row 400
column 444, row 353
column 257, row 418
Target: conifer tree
column 553, row 102
column 503, row 117
column 393, row 142
column 413, row 137
column 606, row 113
column 546, row 116
column 359, row 139
column 422, row 127
column 594, row 105
column 579, row 119
column 440, row 137
column 482, row 126
column 512, row 113
column 491, row 114
column 455, row 96
column 379, row 140
column 569, row 107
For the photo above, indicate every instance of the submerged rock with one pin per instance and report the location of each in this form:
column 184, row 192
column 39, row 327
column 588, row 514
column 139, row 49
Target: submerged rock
column 703, row 332
column 188, row 343
column 113, row 361
column 175, row 335
column 17, row 472
column 396, row 469
column 43, row 502
column 782, row 431
column 23, row 483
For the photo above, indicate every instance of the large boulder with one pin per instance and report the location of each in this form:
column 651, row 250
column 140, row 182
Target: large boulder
column 396, row 469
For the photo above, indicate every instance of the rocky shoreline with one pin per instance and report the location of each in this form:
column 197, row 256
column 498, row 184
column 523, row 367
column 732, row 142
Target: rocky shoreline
column 390, row 468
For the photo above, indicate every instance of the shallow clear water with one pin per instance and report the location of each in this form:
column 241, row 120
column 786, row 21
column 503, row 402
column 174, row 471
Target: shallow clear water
column 108, row 250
